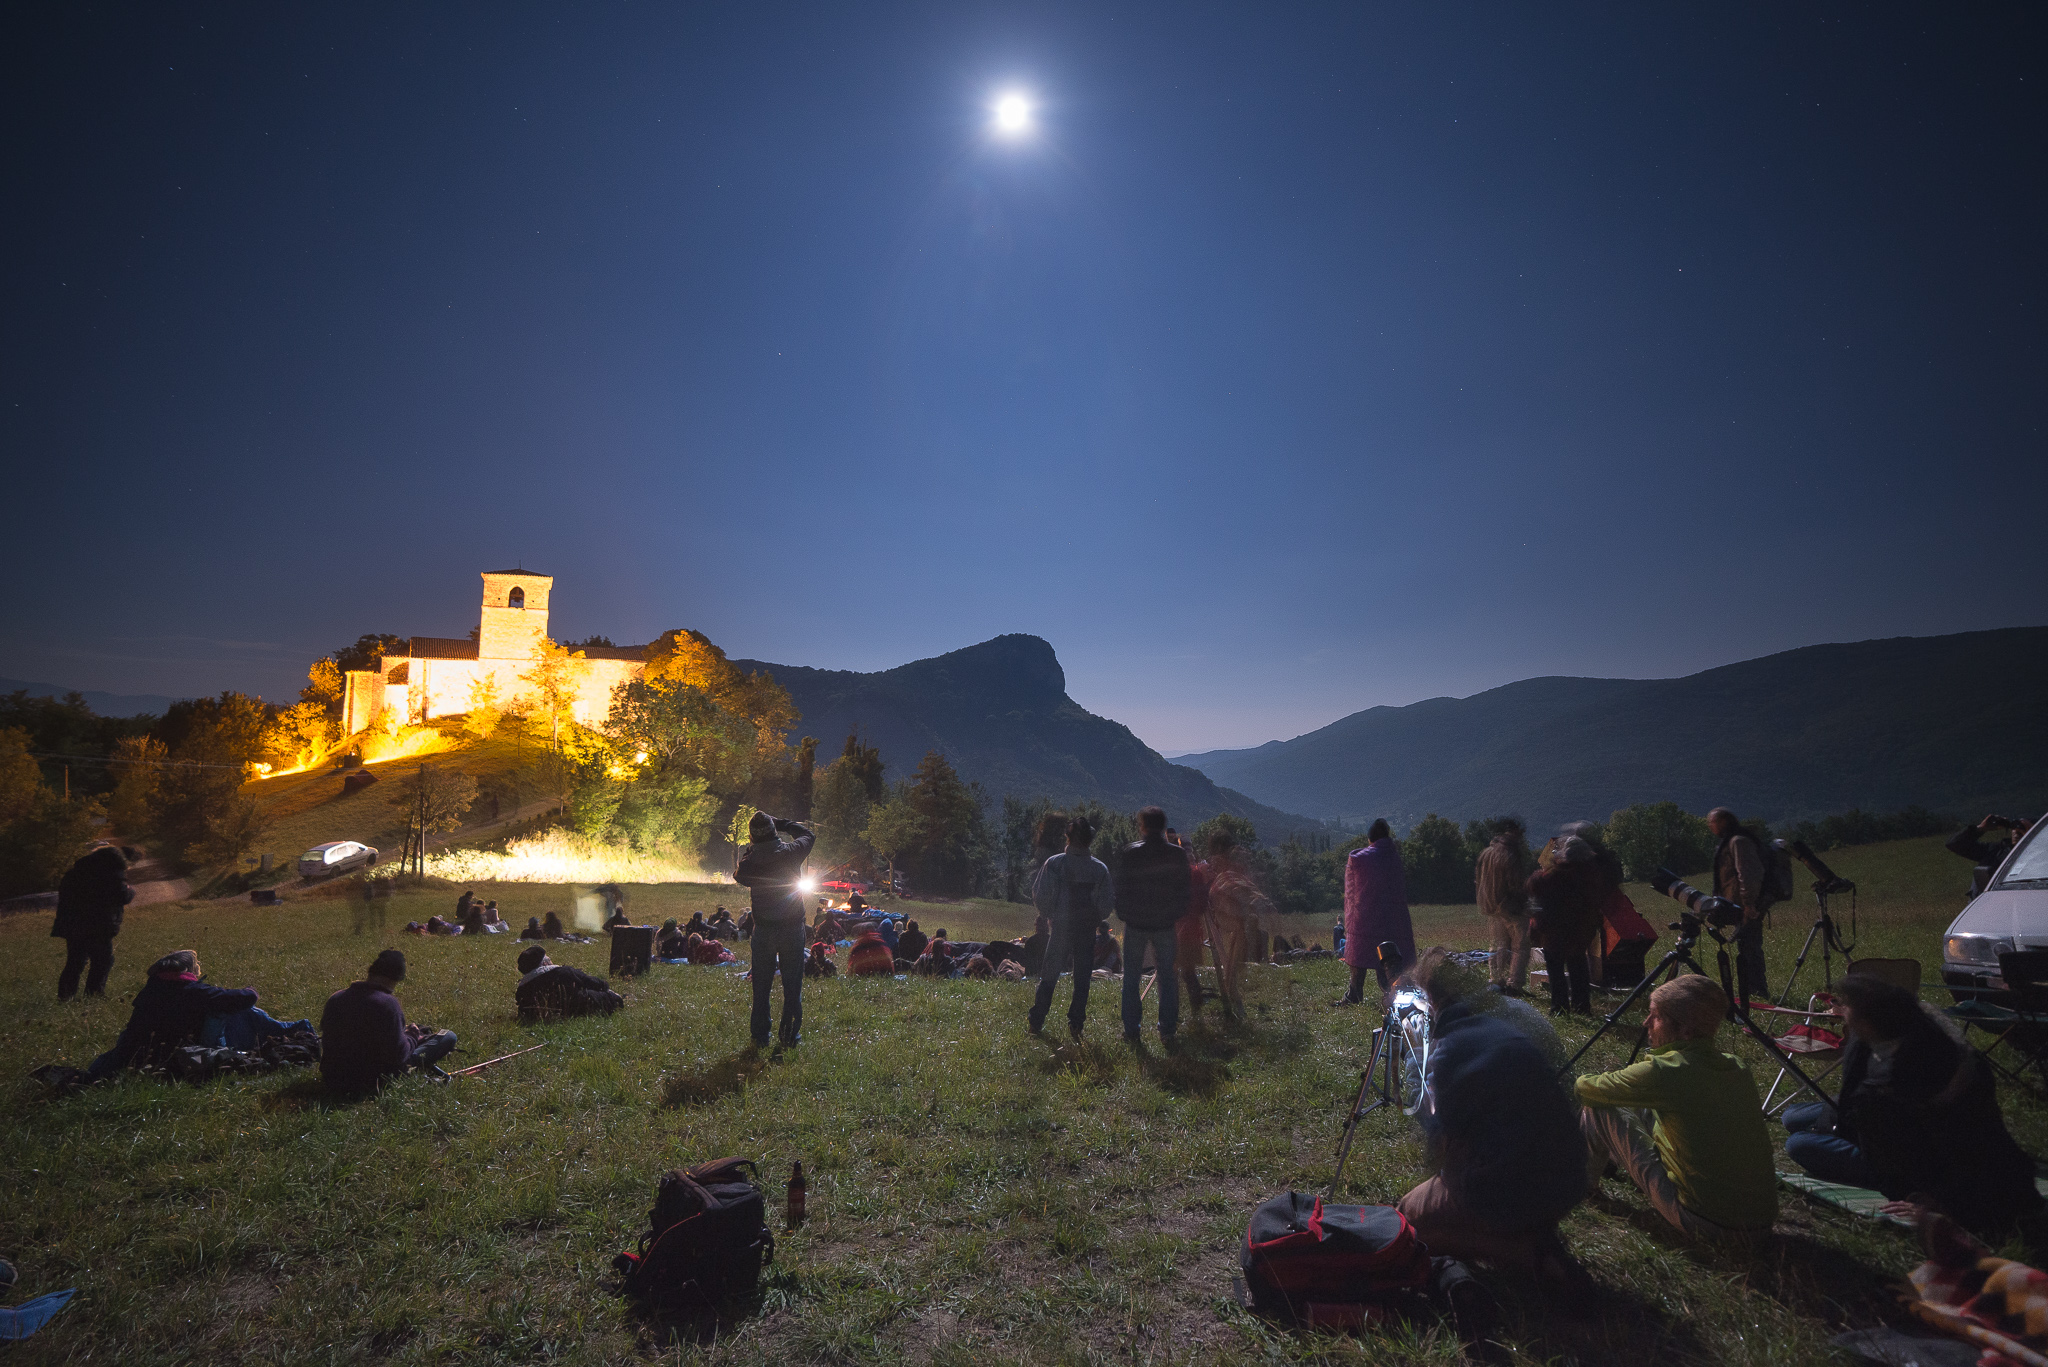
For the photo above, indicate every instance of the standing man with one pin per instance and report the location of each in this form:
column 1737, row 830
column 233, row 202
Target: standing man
column 1235, row 906
column 1503, row 866
column 771, row 866
column 90, row 900
column 1375, row 909
column 1739, row 877
column 1155, row 898
column 1072, row 892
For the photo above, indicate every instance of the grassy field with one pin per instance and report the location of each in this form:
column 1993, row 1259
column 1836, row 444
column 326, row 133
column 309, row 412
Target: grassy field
column 977, row 1196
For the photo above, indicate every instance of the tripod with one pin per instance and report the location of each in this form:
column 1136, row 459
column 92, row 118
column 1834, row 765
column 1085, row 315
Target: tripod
column 1689, row 927
column 1397, row 1085
column 1830, row 936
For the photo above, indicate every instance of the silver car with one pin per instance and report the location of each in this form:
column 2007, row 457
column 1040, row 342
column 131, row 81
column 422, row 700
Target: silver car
column 2011, row 913
column 336, row 856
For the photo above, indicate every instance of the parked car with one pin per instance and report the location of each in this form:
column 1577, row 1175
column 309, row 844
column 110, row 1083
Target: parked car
column 2011, row 913
column 336, row 856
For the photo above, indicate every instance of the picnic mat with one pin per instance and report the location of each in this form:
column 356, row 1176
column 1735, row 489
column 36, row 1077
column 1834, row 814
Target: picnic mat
column 1860, row 1200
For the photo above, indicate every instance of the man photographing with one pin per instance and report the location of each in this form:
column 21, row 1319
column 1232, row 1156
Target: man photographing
column 1739, row 877
column 1971, row 844
column 771, row 866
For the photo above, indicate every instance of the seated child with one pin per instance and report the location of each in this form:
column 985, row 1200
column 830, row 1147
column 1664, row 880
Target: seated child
column 819, row 963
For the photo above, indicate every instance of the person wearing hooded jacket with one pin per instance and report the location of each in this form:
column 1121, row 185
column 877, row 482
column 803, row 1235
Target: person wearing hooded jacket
column 1151, row 901
column 770, row 868
column 170, row 1011
column 90, row 900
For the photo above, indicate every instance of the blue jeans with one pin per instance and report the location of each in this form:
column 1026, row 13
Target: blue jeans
column 1163, row 945
column 779, row 946
column 1068, row 949
column 432, row 1049
column 245, row 1029
column 1826, row 1156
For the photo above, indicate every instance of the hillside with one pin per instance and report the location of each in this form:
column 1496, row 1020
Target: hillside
column 1952, row 723
column 105, row 704
column 1000, row 712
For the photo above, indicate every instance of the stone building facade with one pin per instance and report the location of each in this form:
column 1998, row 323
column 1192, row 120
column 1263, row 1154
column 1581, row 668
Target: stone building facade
column 440, row 677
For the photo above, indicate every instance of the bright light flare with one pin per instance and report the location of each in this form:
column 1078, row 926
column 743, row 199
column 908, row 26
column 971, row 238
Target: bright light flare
column 1013, row 115
column 806, row 885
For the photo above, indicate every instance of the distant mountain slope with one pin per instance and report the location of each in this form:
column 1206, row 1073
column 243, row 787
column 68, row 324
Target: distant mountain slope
column 999, row 711
column 105, row 704
column 1953, row 723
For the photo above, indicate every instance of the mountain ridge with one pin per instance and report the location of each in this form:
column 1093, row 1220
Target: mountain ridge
column 1937, row 721
column 999, row 712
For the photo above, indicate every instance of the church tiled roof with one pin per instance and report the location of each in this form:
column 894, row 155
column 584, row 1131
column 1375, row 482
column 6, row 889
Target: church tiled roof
column 440, row 648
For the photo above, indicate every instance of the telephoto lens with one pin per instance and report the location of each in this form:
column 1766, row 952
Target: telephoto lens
column 1718, row 911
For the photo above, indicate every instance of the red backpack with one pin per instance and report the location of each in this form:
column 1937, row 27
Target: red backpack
column 1301, row 1256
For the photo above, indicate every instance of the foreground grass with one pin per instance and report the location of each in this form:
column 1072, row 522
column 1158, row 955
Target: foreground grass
column 976, row 1195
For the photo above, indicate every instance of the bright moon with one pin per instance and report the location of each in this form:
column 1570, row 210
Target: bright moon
column 1013, row 114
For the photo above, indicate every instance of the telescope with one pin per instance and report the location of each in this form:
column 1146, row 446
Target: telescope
column 1826, row 883
column 1715, row 911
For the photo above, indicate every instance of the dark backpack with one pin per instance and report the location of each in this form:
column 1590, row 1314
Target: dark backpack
column 1299, row 1253
column 706, row 1238
column 1777, row 861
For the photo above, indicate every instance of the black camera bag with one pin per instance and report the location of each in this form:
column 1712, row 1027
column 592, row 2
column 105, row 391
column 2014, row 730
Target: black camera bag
column 707, row 1236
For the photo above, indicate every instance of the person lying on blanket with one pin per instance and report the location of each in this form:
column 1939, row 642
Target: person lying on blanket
column 1686, row 1124
column 175, row 1007
column 1917, row 1118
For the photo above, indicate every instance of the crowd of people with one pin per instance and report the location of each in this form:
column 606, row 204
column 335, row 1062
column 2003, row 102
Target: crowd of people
column 1514, row 1142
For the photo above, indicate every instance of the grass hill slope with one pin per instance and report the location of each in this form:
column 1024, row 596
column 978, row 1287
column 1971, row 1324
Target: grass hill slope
column 999, row 711
column 1948, row 722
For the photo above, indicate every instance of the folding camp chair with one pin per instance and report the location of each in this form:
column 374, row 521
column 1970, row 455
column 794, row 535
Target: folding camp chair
column 1809, row 1039
column 2024, row 1024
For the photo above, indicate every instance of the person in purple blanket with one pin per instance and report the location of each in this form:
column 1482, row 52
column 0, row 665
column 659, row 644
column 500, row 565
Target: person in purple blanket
column 1375, row 910
column 174, row 1008
column 363, row 1035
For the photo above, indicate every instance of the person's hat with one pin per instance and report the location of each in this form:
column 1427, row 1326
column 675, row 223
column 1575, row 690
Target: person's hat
column 388, row 964
column 760, row 826
column 669, row 924
column 530, row 957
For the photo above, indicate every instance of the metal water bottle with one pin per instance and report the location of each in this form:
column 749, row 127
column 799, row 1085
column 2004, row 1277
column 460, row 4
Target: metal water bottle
column 793, row 1203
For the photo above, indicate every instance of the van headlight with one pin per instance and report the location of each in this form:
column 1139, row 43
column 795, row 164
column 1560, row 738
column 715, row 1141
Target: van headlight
column 1975, row 949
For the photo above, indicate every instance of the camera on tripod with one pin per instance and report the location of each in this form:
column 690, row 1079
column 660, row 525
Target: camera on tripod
column 1826, row 882
column 1700, row 906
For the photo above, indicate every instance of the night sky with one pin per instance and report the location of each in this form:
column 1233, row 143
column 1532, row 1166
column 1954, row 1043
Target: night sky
column 1296, row 360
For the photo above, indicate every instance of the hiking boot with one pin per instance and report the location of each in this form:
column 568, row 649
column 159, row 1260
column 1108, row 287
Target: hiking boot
column 1132, row 1037
column 1341, row 1001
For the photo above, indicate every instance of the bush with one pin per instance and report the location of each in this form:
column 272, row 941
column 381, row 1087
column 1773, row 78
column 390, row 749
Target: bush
column 1437, row 862
column 1855, row 827
column 1653, row 835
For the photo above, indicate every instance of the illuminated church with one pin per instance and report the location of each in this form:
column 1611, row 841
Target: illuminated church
column 439, row 677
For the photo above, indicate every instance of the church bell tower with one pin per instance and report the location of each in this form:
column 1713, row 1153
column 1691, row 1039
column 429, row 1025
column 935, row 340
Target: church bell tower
column 515, row 614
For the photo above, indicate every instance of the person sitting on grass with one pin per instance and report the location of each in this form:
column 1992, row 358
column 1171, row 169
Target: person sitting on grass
column 175, row 1008
column 870, row 956
column 937, row 959
column 670, row 942
column 911, row 943
column 472, row 921
column 1917, row 1118
column 363, row 1035
column 721, row 926
column 533, row 930
column 616, row 919
column 493, row 919
column 1705, row 1160
column 891, row 935
column 702, row 949
column 1109, row 955
column 818, row 964
column 1503, row 1132
column 697, row 925
column 551, row 991
column 551, row 928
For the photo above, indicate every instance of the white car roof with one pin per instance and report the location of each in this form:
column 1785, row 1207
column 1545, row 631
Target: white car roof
column 333, row 845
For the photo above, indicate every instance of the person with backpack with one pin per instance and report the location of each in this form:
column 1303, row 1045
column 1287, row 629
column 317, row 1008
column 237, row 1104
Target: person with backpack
column 1073, row 892
column 1739, row 876
column 772, row 867
column 551, row 991
column 90, row 900
column 1155, row 898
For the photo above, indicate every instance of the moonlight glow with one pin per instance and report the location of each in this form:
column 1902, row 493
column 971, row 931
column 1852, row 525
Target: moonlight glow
column 1013, row 115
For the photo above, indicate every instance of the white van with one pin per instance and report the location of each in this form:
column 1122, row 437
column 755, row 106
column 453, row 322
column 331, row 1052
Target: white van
column 2011, row 913
column 336, row 856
